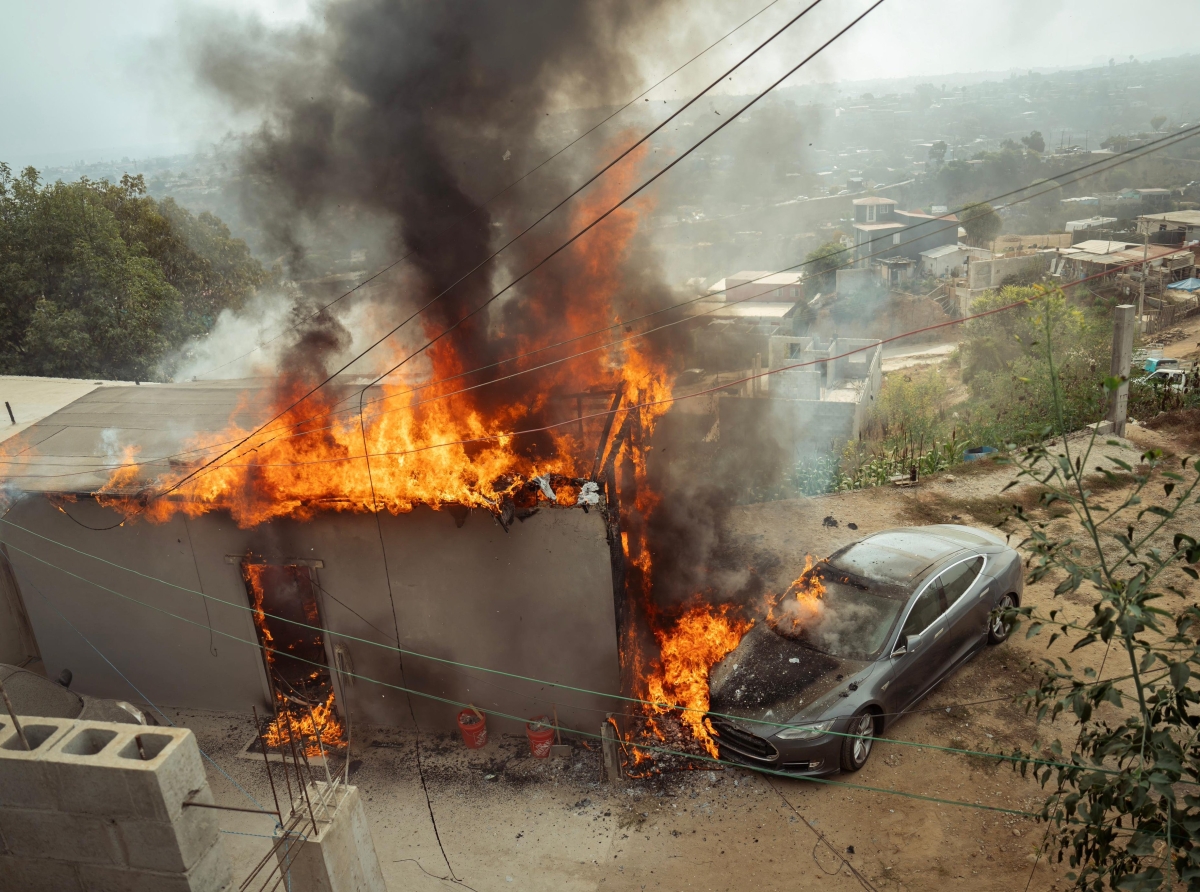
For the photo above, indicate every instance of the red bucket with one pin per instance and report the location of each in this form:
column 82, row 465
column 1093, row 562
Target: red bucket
column 473, row 727
column 541, row 735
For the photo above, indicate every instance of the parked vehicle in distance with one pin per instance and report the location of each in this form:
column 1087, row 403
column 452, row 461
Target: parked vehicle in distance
column 1171, row 379
column 35, row 695
column 901, row 611
column 1156, row 364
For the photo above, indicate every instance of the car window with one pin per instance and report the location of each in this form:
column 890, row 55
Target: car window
column 930, row 604
column 958, row 579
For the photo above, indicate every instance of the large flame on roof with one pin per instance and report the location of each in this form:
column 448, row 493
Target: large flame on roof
column 439, row 438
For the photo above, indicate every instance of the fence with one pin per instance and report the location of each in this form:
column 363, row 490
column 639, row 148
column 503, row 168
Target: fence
column 1172, row 314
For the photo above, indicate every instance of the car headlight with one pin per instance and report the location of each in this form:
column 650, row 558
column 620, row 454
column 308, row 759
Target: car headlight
column 805, row 732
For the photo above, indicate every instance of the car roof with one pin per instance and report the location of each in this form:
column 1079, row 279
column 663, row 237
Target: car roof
column 903, row 556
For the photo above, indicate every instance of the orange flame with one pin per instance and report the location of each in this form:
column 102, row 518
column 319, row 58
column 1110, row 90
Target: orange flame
column 801, row 604
column 311, row 728
column 699, row 639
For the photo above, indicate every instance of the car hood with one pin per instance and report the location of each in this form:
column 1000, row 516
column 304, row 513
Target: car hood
column 768, row 677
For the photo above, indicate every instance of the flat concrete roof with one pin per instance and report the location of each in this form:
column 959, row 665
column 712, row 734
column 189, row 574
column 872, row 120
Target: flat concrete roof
column 87, row 430
column 32, row 399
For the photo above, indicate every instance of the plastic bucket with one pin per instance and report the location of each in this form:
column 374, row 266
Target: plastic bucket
column 541, row 735
column 473, row 727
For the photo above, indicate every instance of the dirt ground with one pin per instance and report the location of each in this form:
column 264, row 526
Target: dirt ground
column 508, row 821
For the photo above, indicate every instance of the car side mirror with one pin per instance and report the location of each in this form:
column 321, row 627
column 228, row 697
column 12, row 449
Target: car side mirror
column 903, row 645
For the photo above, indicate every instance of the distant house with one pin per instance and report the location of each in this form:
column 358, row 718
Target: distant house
column 883, row 231
column 1154, row 200
column 951, row 260
column 759, row 285
column 1090, row 223
column 1187, row 222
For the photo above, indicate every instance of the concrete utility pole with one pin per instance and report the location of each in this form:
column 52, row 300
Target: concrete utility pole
column 1122, row 356
column 1141, row 307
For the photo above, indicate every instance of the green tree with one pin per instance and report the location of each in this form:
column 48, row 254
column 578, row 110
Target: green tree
column 1034, row 142
column 1121, row 808
column 98, row 279
column 823, row 263
column 981, row 222
column 937, row 153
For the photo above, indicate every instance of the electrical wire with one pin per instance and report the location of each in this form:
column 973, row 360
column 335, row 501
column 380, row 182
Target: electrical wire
column 634, row 407
column 681, row 708
column 488, row 201
column 1111, row 162
column 144, row 698
column 497, row 713
column 599, row 219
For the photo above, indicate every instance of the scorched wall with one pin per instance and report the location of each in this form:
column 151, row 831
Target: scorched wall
column 535, row 601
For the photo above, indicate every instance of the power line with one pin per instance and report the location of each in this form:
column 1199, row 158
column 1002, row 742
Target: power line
column 1111, row 162
column 504, row 715
column 1026, row 194
column 459, row 665
column 666, row 400
column 488, row 201
column 573, row 238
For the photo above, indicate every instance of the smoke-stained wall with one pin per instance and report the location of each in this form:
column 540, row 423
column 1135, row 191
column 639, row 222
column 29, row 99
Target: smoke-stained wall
column 535, row 601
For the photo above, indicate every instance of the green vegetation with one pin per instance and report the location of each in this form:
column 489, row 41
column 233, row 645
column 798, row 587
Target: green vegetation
column 981, row 222
column 1120, row 804
column 1013, row 385
column 100, row 280
column 824, row 262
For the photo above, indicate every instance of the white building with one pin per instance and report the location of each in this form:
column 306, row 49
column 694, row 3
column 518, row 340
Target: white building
column 1090, row 223
column 951, row 260
column 759, row 285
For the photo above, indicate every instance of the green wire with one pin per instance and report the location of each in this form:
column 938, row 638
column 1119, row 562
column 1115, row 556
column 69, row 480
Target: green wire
column 965, row 752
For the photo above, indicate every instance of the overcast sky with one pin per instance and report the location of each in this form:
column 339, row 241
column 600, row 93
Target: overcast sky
column 99, row 79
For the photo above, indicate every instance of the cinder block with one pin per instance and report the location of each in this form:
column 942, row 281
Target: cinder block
column 53, row 835
column 174, row 847
column 98, row 769
column 209, row 874
column 33, row 875
column 341, row 856
column 24, row 780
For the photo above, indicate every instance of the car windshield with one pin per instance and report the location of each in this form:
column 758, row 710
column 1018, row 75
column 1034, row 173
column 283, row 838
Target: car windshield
column 853, row 618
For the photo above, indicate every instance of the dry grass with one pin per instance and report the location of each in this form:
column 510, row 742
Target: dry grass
column 995, row 510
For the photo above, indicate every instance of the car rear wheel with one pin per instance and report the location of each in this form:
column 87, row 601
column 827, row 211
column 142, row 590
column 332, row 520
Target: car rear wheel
column 856, row 749
column 999, row 627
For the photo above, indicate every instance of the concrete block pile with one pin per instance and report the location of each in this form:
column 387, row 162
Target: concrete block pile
column 99, row 807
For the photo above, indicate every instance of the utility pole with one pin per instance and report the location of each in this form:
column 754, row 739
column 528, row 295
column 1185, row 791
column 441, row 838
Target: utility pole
column 1141, row 305
column 1122, row 357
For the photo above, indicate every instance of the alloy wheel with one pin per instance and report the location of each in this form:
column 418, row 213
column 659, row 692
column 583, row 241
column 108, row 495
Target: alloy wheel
column 865, row 729
column 999, row 626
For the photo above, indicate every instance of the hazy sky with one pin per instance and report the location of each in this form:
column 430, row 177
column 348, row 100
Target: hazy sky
column 97, row 79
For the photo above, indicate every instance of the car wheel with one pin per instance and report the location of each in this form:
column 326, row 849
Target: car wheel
column 856, row 749
column 998, row 627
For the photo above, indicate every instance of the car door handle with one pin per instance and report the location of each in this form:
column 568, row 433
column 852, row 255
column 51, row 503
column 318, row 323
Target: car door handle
column 939, row 633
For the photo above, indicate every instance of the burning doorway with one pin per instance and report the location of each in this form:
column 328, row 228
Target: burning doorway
column 287, row 619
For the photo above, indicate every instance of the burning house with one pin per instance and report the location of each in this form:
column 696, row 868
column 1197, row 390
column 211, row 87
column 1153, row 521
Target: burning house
column 247, row 598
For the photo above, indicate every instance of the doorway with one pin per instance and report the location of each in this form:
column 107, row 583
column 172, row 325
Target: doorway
column 288, row 621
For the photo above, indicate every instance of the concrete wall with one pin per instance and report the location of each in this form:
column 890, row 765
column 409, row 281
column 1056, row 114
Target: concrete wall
column 985, row 274
column 790, row 427
column 537, row 601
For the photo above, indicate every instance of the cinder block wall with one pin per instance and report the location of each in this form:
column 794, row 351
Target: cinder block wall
column 86, row 810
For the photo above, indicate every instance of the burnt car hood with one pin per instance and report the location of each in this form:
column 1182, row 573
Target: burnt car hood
column 770, row 678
